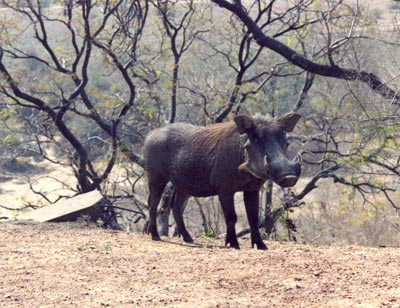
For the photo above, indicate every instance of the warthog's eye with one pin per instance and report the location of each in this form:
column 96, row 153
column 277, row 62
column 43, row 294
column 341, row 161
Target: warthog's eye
column 286, row 142
column 283, row 140
column 256, row 137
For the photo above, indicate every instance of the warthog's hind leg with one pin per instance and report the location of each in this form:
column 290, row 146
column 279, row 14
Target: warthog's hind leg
column 177, row 209
column 156, row 188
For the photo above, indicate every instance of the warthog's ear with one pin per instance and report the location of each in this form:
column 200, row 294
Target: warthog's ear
column 288, row 121
column 244, row 123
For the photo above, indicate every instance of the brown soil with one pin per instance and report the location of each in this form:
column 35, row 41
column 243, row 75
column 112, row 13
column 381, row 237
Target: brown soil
column 73, row 265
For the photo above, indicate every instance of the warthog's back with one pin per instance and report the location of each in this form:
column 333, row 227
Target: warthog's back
column 162, row 145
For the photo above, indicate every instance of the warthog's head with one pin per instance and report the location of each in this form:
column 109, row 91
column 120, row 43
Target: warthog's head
column 266, row 148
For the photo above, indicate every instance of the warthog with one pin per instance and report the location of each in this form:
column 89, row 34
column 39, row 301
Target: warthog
column 220, row 159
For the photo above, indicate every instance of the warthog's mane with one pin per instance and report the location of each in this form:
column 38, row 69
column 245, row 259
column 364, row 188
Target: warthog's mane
column 263, row 119
column 212, row 136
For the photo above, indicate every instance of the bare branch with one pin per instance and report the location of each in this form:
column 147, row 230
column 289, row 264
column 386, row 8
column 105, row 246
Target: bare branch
column 372, row 80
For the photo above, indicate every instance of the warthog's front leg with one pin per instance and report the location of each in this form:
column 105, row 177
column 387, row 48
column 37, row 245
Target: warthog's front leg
column 251, row 201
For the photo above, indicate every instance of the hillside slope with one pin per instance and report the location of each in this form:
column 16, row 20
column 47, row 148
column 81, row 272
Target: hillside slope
column 70, row 265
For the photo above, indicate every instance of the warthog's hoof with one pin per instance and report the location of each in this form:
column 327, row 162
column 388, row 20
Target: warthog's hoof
column 155, row 237
column 188, row 239
column 260, row 245
column 234, row 244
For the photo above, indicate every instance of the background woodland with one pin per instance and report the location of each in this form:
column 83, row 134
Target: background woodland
column 83, row 82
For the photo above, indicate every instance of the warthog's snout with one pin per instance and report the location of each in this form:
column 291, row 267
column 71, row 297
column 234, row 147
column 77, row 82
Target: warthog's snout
column 290, row 173
column 287, row 181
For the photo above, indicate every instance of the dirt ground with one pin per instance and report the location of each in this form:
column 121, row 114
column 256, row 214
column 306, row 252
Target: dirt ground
column 77, row 265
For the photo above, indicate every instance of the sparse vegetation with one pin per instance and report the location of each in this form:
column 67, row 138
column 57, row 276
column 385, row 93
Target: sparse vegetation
column 210, row 234
column 95, row 248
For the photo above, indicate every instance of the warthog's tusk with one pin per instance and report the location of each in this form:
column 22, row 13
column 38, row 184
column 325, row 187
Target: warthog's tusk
column 245, row 168
column 266, row 162
column 298, row 159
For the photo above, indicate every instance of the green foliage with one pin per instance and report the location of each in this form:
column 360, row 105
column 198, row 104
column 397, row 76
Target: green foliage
column 5, row 114
column 210, row 234
column 9, row 141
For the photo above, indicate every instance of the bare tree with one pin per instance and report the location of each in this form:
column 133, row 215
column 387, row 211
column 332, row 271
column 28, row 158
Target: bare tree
column 66, row 91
